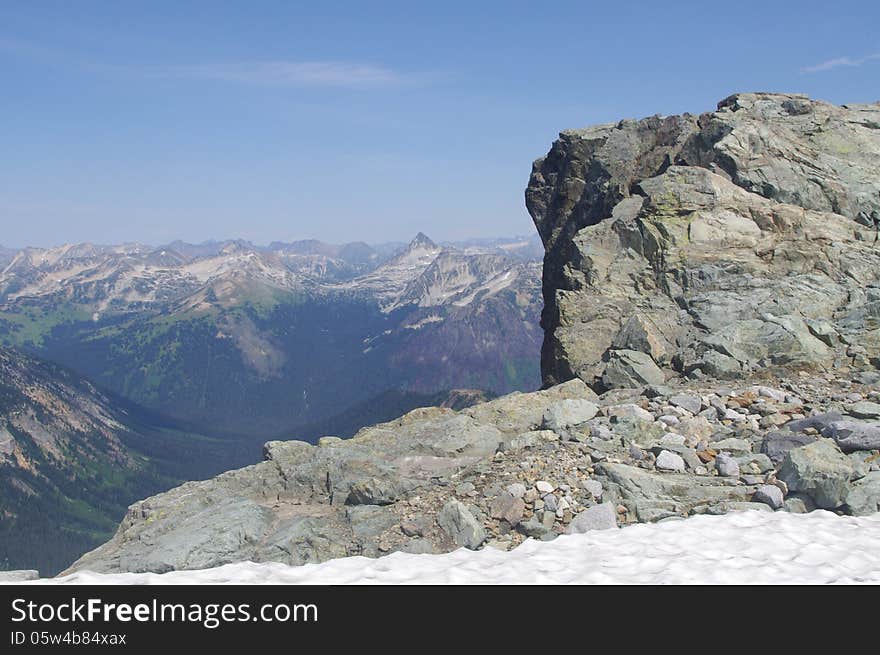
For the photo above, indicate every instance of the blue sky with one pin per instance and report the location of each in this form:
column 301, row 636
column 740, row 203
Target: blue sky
column 151, row 121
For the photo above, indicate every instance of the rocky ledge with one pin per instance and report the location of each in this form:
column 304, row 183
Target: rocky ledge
column 525, row 465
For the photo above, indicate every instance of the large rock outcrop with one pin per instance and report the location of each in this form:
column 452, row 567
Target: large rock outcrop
column 735, row 242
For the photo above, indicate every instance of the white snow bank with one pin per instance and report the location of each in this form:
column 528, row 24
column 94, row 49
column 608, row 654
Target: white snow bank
column 748, row 547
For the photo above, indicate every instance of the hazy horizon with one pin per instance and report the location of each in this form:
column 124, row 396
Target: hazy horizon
column 274, row 120
column 265, row 244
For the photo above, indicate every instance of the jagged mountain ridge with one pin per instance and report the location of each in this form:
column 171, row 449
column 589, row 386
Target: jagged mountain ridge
column 258, row 340
column 131, row 276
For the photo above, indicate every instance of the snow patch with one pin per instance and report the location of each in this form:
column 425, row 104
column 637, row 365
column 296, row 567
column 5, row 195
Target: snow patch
column 747, row 547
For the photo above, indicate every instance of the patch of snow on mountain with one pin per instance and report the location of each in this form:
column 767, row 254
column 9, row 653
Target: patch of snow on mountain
column 391, row 278
column 747, row 547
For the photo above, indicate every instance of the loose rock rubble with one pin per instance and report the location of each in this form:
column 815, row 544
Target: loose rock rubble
column 493, row 475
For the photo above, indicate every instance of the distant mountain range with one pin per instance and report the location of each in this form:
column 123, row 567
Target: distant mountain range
column 264, row 341
column 127, row 369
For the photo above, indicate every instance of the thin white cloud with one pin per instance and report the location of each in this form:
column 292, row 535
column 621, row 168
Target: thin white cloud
column 341, row 74
column 294, row 73
column 840, row 62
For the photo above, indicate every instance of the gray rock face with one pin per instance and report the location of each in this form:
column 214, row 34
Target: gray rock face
column 717, row 245
column 598, row 517
column 461, row 525
column 819, row 470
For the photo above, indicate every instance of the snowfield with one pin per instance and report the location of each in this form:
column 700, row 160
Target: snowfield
column 749, row 547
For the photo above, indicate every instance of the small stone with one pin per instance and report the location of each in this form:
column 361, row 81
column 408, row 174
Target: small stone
column 726, row 466
column 508, row 508
column 691, row 403
column 464, row 489
column 630, row 411
column 550, row 503
column 600, row 431
column 460, row 525
column 597, row 517
column 636, row 453
column 733, row 445
column 769, row 392
column 755, row 463
column 696, row 426
column 706, row 455
column 491, row 490
column 544, row 487
column 795, row 506
column 594, row 487
column 414, row 528
column 769, row 495
column 532, row 528
column 672, row 439
column 669, row 461
column 774, row 420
